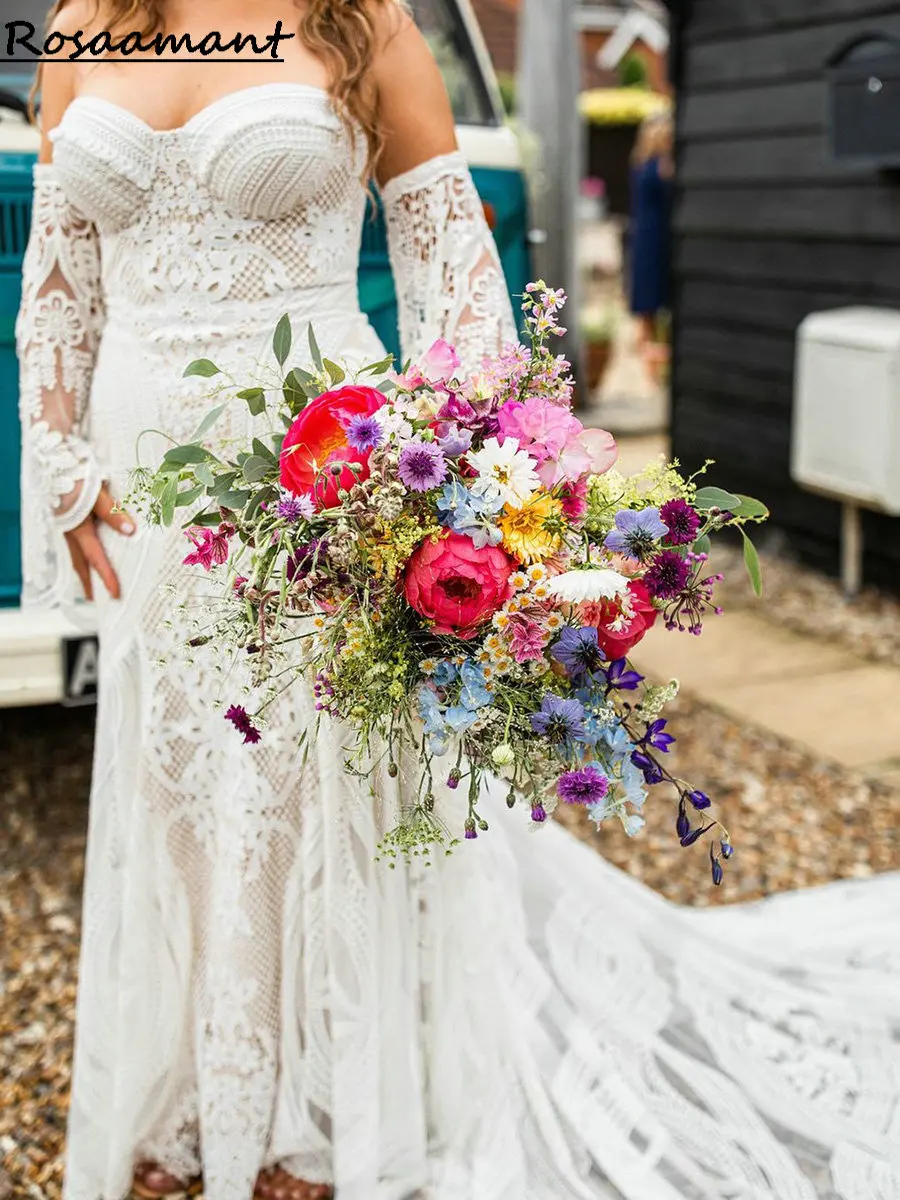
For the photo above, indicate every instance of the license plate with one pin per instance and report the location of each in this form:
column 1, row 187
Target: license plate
column 81, row 670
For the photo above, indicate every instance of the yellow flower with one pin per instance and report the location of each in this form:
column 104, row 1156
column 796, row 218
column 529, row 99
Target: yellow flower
column 525, row 535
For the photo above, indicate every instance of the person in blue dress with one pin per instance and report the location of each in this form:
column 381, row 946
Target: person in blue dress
column 651, row 202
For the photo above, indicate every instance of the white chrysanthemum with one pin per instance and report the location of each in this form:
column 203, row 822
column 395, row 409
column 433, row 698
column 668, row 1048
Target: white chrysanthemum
column 599, row 583
column 504, row 472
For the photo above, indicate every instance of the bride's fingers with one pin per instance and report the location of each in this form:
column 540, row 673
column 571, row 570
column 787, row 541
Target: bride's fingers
column 82, row 570
column 104, row 511
column 93, row 551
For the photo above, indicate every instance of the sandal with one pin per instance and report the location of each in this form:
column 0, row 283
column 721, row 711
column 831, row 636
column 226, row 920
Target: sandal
column 276, row 1184
column 152, row 1182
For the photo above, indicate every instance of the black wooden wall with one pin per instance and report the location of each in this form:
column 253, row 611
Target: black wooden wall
column 767, row 230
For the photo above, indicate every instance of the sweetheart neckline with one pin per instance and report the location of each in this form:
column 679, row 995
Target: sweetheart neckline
column 202, row 112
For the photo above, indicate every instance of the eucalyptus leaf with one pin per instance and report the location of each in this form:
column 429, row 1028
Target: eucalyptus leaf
column 168, row 499
column 713, row 497
column 256, row 469
column 208, row 421
column 294, row 390
column 702, row 545
column 233, row 500
column 281, row 342
column 203, row 472
column 185, row 455
column 379, row 368
column 261, row 450
column 207, row 519
column 223, row 482
column 314, row 349
column 263, row 496
column 202, row 367
column 256, row 400
column 188, row 497
column 335, row 373
column 750, row 509
column 387, row 387
column 754, row 568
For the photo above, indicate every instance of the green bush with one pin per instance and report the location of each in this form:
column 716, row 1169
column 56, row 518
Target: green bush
column 633, row 72
column 507, row 84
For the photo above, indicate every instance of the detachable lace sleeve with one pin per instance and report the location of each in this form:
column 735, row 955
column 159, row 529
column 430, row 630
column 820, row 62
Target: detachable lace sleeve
column 57, row 334
column 448, row 276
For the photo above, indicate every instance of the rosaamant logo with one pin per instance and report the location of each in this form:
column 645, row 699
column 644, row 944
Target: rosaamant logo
column 23, row 36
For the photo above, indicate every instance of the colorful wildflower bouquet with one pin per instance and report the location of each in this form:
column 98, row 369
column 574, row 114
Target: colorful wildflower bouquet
column 455, row 567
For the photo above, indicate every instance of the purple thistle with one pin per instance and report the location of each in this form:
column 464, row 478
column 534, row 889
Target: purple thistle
column 240, row 719
column 422, row 465
column 656, row 738
column 538, row 813
column 682, row 520
column 667, row 575
column 619, row 675
column 559, row 720
column 578, row 651
column 471, row 831
column 586, row 786
column 294, row 508
column 364, row 433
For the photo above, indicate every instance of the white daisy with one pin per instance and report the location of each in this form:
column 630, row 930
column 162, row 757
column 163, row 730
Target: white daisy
column 504, row 473
column 592, row 585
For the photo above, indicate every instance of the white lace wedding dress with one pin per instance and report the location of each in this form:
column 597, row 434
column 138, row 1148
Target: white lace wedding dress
column 523, row 1022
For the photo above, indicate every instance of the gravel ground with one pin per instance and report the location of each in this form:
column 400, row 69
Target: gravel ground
column 795, row 822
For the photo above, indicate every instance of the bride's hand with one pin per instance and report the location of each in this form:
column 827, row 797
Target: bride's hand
column 87, row 551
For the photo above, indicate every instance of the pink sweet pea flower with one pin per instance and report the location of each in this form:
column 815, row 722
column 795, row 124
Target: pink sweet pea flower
column 211, row 548
column 440, row 362
column 591, row 452
column 541, row 427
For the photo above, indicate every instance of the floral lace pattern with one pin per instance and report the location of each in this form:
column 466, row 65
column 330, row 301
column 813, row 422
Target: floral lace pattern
column 254, row 988
column 57, row 334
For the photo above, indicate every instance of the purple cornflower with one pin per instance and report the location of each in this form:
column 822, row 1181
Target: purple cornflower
column 619, row 675
column 305, row 559
column 559, row 720
column 240, row 719
column 578, row 651
column 293, row 508
column 656, row 738
column 422, row 465
column 667, row 576
column 364, row 433
column 682, row 520
column 636, row 533
column 586, row 786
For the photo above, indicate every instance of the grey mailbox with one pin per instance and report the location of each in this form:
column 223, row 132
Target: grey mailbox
column 864, row 102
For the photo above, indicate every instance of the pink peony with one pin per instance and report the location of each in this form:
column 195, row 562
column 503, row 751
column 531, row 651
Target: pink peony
column 319, row 436
column 456, row 587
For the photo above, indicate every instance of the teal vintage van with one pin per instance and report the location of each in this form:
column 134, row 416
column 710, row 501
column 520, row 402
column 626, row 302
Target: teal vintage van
column 48, row 657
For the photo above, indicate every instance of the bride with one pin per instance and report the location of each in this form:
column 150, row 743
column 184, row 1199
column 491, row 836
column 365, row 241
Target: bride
column 259, row 1002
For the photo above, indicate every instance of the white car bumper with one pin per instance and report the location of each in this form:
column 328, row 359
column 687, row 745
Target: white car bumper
column 47, row 657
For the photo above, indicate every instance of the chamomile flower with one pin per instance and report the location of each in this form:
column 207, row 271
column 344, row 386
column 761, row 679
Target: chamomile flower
column 518, row 580
column 504, row 472
column 536, row 572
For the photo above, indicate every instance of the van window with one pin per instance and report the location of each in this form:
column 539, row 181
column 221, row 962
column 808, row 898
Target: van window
column 442, row 24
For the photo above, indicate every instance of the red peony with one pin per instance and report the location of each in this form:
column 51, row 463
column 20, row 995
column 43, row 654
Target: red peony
column 457, row 587
column 629, row 617
column 319, row 437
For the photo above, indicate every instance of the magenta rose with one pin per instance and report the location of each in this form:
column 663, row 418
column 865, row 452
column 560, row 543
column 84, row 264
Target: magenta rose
column 457, row 587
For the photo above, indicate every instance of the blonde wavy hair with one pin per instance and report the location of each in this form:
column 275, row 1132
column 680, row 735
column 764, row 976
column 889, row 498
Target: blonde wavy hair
column 344, row 34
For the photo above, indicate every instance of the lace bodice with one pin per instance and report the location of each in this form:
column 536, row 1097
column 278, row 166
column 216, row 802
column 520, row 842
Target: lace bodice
column 181, row 241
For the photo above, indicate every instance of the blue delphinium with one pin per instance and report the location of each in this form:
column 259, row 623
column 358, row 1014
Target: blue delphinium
column 473, row 696
column 619, row 675
column 636, row 533
column 433, row 720
column 463, row 512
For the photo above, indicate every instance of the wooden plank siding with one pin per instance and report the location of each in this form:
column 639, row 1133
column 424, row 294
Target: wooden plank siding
column 768, row 229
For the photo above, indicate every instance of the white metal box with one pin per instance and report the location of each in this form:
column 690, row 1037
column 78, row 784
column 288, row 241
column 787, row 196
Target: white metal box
column 846, row 426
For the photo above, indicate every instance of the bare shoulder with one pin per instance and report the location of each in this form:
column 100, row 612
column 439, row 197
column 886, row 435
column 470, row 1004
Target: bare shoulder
column 59, row 79
column 73, row 16
column 414, row 110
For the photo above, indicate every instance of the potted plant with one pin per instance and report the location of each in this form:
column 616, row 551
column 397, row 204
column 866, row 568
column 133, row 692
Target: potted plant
column 598, row 331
